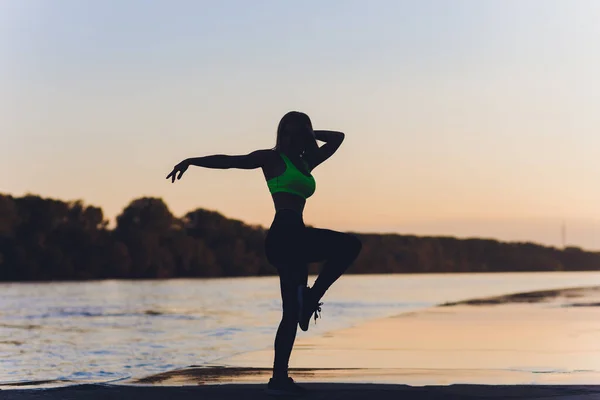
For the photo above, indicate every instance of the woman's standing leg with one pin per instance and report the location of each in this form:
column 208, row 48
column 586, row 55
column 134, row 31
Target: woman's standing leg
column 282, row 244
column 291, row 279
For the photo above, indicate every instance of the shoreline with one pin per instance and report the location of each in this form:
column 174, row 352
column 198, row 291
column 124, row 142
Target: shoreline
column 274, row 275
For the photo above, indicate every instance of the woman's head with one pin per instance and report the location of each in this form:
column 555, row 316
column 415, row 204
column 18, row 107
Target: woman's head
column 294, row 133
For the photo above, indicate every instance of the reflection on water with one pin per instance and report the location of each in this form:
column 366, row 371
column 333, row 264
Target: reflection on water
column 107, row 330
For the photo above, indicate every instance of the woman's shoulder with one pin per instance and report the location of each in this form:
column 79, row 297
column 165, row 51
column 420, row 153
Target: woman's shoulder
column 269, row 155
column 264, row 155
column 270, row 159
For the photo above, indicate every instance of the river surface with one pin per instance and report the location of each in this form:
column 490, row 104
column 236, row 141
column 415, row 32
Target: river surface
column 103, row 331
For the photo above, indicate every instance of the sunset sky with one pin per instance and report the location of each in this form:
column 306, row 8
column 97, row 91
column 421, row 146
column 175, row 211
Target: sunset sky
column 464, row 118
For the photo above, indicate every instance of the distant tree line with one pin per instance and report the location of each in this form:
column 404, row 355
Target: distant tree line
column 47, row 239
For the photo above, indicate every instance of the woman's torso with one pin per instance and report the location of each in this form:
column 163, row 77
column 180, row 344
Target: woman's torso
column 276, row 168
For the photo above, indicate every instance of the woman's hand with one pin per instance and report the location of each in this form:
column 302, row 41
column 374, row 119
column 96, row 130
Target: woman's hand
column 181, row 168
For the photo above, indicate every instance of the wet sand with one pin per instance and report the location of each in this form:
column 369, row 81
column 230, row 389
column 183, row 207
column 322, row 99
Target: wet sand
column 325, row 391
column 551, row 338
column 527, row 345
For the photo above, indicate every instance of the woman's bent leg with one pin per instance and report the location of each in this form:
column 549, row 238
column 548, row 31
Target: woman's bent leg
column 338, row 249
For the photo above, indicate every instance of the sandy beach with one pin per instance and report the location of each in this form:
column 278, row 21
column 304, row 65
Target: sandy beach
column 528, row 345
column 548, row 337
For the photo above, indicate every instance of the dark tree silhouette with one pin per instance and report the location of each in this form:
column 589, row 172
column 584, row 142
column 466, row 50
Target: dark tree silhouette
column 48, row 239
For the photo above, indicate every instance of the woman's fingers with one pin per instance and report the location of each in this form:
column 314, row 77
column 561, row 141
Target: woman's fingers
column 172, row 175
column 179, row 168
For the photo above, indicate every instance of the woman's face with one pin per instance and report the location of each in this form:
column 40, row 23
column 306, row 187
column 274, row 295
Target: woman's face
column 297, row 136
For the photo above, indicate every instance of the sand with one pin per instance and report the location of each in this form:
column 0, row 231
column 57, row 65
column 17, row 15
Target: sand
column 550, row 337
column 328, row 391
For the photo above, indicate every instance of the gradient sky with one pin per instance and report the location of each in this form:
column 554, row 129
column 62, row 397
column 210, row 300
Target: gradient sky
column 465, row 118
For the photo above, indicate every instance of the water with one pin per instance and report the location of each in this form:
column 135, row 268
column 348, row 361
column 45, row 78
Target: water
column 110, row 330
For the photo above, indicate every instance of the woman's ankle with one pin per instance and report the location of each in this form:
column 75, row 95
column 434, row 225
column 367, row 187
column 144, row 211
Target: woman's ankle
column 280, row 374
column 317, row 292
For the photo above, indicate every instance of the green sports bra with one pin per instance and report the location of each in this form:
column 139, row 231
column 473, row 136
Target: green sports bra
column 292, row 181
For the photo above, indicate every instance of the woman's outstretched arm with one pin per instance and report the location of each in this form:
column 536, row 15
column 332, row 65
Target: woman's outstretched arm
column 253, row 160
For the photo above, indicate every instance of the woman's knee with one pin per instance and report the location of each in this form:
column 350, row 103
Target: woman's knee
column 352, row 245
column 291, row 308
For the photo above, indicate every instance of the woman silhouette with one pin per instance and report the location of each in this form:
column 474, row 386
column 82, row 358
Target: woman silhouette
column 289, row 244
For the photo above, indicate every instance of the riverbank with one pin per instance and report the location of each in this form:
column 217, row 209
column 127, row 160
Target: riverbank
column 544, row 337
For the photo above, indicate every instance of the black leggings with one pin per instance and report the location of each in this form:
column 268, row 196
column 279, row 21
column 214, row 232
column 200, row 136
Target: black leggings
column 290, row 246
